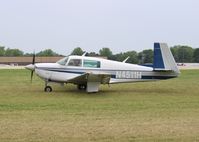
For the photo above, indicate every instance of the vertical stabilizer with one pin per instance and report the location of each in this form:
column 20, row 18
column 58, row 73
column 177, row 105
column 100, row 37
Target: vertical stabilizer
column 163, row 58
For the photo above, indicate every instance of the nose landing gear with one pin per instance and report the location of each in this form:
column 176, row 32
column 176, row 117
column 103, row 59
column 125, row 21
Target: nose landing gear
column 48, row 89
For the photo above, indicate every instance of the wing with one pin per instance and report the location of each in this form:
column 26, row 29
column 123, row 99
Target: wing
column 92, row 80
column 102, row 78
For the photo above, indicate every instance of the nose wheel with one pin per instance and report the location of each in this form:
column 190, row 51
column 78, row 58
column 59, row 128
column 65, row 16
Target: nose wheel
column 48, row 89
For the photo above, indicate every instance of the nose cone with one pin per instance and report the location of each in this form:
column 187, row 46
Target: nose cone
column 30, row 67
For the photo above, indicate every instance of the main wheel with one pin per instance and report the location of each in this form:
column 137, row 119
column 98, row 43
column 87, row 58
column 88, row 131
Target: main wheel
column 82, row 86
column 48, row 89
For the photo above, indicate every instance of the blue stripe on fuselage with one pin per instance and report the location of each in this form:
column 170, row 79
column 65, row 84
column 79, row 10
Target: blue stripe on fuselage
column 112, row 75
column 67, row 71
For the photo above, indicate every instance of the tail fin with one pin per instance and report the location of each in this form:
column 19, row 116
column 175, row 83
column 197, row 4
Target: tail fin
column 163, row 58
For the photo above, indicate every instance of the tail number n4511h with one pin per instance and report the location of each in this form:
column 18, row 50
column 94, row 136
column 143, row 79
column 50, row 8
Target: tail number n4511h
column 128, row 74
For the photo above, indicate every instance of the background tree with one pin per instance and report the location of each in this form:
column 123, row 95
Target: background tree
column 174, row 51
column 133, row 57
column 183, row 53
column 106, row 52
column 117, row 57
column 13, row 52
column 47, row 52
column 2, row 51
column 92, row 54
column 196, row 55
column 146, row 56
column 77, row 51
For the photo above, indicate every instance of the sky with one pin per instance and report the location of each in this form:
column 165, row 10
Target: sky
column 121, row 25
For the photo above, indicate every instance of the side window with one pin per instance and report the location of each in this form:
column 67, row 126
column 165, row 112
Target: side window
column 91, row 63
column 75, row 62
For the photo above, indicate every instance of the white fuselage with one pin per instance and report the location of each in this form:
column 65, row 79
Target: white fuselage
column 89, row 72
column 120, row 72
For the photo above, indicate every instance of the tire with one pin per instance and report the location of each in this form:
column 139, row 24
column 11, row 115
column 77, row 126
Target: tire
column 48, row 89
column 82, row 86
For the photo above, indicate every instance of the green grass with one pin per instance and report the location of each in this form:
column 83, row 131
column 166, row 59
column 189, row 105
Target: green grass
column 154, row 111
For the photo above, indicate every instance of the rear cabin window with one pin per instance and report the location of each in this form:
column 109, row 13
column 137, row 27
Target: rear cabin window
column 75, row 62
column 91, row 64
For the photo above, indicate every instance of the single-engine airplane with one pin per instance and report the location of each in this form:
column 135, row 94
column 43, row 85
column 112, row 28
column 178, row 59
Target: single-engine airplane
column 89, row 72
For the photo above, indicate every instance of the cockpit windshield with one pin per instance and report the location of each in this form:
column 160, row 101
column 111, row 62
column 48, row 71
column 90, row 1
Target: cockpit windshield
column 63, row 61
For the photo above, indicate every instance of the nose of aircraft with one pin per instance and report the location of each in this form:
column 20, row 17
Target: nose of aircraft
column 30, row 67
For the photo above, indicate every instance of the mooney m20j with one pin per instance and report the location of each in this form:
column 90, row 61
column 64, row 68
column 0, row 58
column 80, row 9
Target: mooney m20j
column 89, row 72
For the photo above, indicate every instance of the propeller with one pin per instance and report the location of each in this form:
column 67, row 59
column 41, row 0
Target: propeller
column 31, row 67
column 33, row 62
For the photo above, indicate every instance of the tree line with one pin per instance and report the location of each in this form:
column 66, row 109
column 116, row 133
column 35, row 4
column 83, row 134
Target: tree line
column 7, row 52
column 182, row 54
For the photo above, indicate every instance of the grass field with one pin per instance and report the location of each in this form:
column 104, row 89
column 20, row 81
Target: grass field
column 154, row 111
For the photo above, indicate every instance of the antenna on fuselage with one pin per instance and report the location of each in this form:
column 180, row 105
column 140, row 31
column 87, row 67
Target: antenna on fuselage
column 84, row 54
column 126, row 59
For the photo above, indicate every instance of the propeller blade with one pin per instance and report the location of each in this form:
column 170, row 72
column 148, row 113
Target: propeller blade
column 31, row 75
column 33, row 62
column 33, row 58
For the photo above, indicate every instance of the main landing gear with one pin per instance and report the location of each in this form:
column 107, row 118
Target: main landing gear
column 81, row 86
